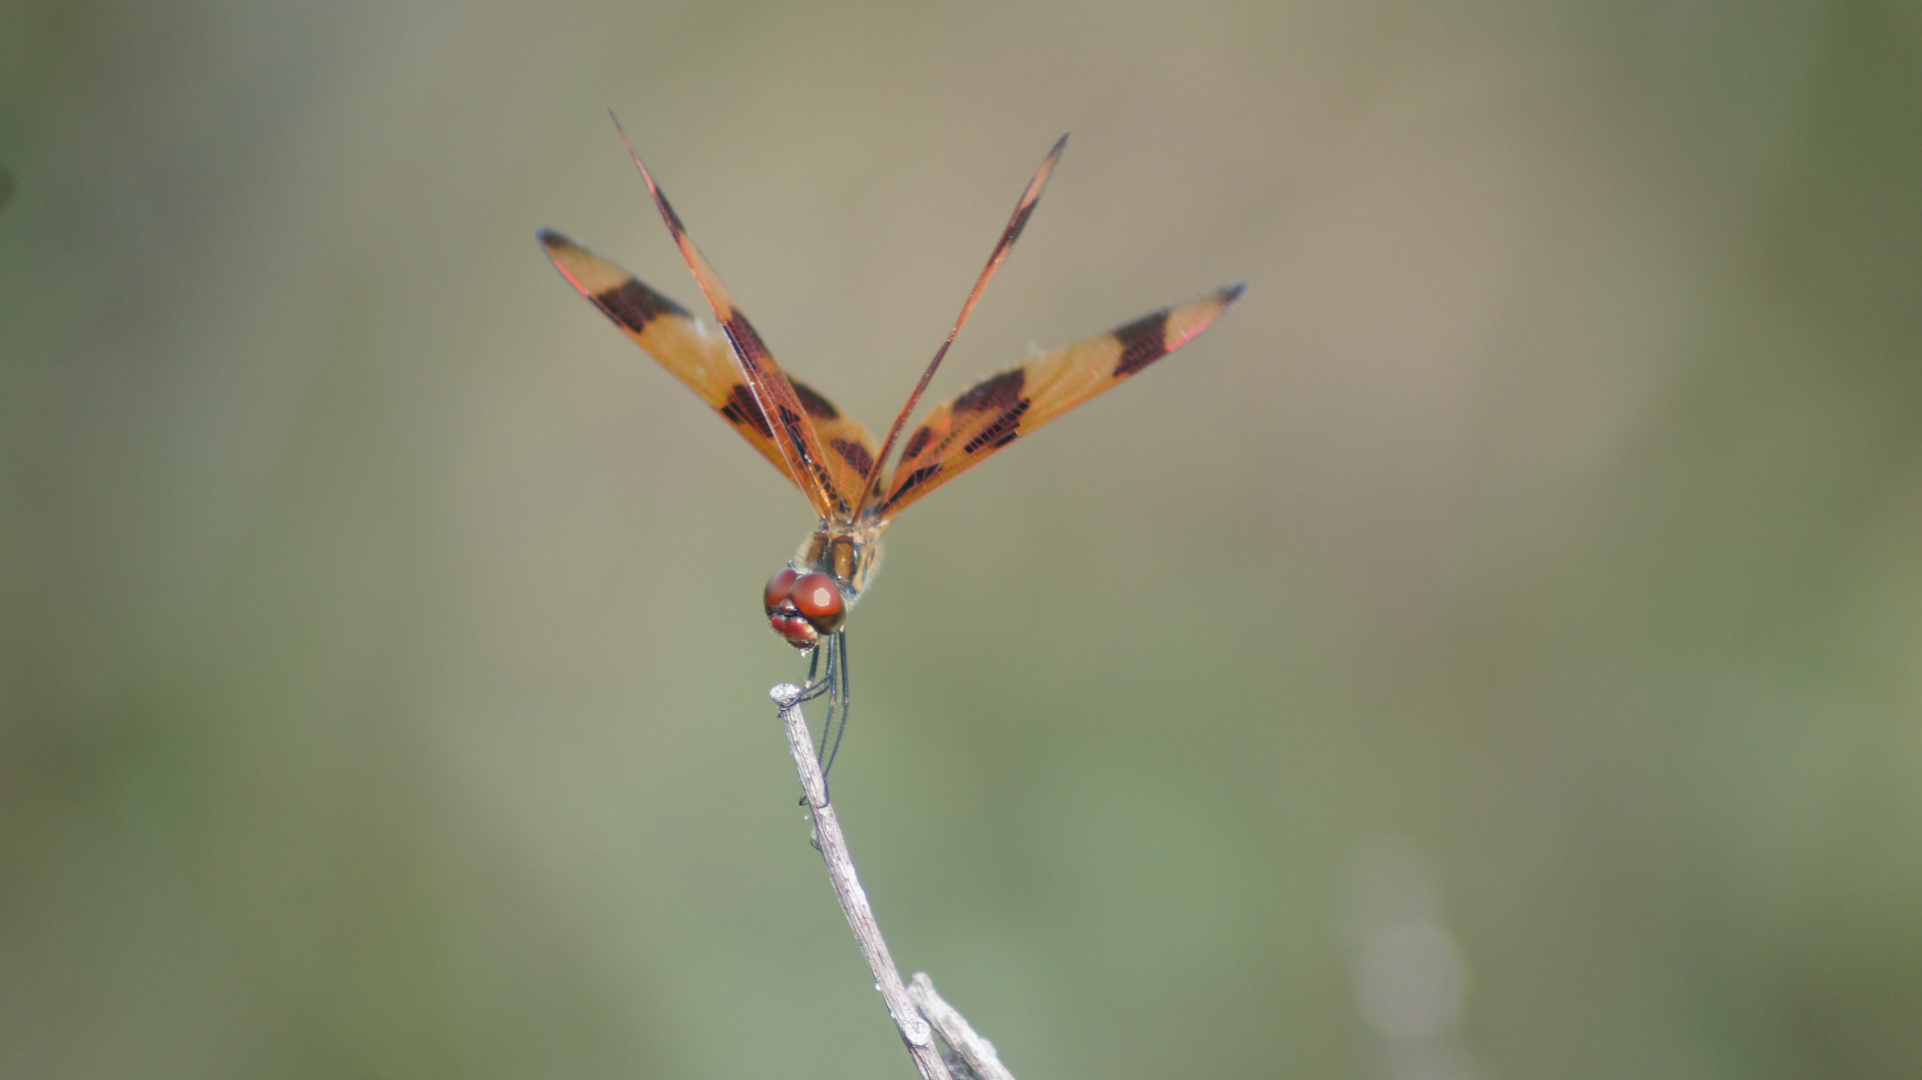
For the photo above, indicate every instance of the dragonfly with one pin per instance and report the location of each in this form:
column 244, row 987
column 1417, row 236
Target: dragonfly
column 830, row 456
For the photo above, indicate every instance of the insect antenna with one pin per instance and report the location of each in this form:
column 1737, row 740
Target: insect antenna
column 1017, row 222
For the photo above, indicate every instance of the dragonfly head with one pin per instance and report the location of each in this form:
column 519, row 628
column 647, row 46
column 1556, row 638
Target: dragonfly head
column 803, row 608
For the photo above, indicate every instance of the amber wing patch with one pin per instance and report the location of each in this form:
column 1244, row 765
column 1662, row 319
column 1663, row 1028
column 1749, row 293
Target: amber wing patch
column 958, row 434
column 701, row 358
column 801, row 437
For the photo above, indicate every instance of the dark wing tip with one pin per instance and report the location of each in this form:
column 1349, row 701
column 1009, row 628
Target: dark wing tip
column 550, row 240
column 1231, row 293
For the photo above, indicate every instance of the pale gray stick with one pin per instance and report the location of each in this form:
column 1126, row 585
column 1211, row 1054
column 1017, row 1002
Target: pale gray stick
column 976, row 1051
column 847, row 886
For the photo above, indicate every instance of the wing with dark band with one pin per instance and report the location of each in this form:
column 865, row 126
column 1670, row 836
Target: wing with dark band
column 958, row 434
column 704, row 360
column 828, row 470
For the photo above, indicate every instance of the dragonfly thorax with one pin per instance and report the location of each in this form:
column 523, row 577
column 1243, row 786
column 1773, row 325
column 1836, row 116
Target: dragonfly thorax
column 811, row 596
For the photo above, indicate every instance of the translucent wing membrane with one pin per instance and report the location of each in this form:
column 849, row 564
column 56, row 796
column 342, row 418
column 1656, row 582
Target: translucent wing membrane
column 832, row 477
column 828, row 455
column 1016, row 222
column 958, row 434
column 705, row 361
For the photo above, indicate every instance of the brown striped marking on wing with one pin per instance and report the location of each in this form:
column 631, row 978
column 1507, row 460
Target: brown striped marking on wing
column 958, row 434
column 825, row 473
column 701, row 358
column 1023, row 208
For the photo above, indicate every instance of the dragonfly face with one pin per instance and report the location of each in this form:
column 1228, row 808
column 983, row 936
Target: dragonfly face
column 803, row 607
column 811, row 596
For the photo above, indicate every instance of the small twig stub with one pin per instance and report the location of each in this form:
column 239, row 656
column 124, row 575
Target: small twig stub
column 975, row 1054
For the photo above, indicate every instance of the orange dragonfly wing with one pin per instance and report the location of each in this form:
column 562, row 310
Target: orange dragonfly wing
column 1030, row 197
column 959, row 434
column 831, row 472
column 705, row 361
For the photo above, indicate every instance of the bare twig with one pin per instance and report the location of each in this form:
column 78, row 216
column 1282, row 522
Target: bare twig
column 976, row 1052
column 833, row 846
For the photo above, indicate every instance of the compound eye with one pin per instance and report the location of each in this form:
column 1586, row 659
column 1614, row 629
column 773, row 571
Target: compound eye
column 778, row 588
column 818, row 598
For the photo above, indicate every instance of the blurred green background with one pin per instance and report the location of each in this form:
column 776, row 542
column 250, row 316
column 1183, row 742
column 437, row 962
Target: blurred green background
column 1493, row 651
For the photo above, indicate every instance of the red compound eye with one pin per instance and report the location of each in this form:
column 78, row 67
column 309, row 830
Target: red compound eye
column 818, row 598
column 778, row 588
